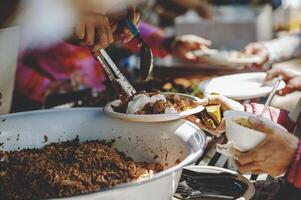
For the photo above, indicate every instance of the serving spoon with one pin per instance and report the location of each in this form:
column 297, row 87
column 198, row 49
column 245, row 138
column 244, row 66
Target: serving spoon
column 146, row 54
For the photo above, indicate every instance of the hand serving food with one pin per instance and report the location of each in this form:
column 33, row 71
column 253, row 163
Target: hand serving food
column 183, row 46
column 99, row 31
column 273, row 155
column 291, row 78
column 211, row 119
column 260, row 51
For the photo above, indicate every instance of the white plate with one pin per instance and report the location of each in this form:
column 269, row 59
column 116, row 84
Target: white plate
column 171, row 62
column 207, row 169
column 155, row 117
column 239, row 86
column 226, row 58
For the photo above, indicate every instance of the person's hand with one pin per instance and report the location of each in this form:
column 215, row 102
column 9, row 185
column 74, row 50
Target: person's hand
column 291, row 78
column 99, row 31
column 226, row 104
column 94, row 30
column 260, row 51
column 183, row 46
column 124, row 34
column 273, row 156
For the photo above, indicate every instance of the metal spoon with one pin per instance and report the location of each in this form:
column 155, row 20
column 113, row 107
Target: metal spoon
column 272, row 95
column 146, row 54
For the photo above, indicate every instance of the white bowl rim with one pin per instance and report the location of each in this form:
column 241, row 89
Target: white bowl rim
column 192, row 157
column 232, row 113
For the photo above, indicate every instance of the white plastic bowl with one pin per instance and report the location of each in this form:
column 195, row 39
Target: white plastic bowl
column 165, row 143
column 241, row 138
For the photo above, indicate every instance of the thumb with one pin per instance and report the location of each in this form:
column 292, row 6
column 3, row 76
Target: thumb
column 259, row 125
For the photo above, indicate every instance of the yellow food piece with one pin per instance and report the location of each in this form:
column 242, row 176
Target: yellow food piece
column 214, row 111
column 167, row 86
column 244, row 122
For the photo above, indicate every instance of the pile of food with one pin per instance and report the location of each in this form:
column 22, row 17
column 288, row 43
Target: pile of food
column 67, row 169
column 155, row 103
column 211, row 117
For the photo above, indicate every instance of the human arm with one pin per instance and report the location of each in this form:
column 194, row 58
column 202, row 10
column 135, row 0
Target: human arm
column 274, row 155
column 276, row 50
column 291, row 78
column 163, row 45
column 98, row 31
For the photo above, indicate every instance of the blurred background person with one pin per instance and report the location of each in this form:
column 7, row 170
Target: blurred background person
column 65, row 68
column 40, row 24
column 277, row 50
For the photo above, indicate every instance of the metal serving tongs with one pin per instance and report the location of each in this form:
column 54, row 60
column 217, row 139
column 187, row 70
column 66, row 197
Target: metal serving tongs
column 120, row 83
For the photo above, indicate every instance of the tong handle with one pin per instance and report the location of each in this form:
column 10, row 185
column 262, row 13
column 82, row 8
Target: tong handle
column 134, row 30
column 119, row 81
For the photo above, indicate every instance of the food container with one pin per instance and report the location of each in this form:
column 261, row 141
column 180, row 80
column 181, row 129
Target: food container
column 242, row 138
column 173, row 144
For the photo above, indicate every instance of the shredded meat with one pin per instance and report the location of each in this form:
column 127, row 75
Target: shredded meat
column 66, row 169
column 180, row 104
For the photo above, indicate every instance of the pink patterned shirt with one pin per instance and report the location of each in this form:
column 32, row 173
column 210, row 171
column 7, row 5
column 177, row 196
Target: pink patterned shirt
column 39, row 67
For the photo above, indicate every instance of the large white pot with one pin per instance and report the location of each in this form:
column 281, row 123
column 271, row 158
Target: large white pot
column 169, row 142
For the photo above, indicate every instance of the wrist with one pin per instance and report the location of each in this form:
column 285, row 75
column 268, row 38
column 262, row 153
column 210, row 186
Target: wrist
column 169, row 44
column 294, row 166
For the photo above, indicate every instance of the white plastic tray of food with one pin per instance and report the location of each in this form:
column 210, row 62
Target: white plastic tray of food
column 208, row 169
column 240, row 86
column 226, row 58
column 154, row 117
